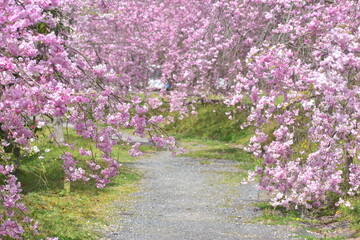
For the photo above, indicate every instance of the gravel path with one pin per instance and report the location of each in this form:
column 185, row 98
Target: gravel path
column 180, row 198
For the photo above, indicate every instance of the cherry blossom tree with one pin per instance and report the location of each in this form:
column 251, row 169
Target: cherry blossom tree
column 294, row 65
column 303, row 78
column 45, row 76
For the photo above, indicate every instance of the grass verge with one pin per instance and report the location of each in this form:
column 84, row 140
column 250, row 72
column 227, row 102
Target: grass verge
column 212, row 122
column 210, row 149
column 333, row 224
column 82, row 214
column 85, row 212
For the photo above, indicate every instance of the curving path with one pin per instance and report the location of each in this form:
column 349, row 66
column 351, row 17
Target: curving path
column 180, row 198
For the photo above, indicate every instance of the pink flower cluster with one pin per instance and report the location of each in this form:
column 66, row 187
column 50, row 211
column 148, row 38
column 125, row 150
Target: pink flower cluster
column 13, row 220
column 302, row 78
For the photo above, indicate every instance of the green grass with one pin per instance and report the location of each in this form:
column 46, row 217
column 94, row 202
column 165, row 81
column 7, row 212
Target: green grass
column 221, row 152
column 205, row 162
column 316, row 238
column 85, row 212
column 211, row 123
column 209, row 149
column 232, row 178
column 323, row 222
column 352, row 215
column 80, row 214
column 276, row 216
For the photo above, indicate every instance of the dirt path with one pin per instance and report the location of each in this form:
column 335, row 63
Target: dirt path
column 180, row 198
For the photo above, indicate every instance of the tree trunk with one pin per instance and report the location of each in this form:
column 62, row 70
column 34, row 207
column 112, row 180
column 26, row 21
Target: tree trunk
column 58, row 131
column 67, row 186
column 349, row 161
column 60, row 138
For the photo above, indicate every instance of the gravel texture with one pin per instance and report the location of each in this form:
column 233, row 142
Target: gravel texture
column 183, row 198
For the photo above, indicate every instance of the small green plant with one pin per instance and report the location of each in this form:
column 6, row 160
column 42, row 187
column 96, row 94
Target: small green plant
column 205, row 162
column 276, row 215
